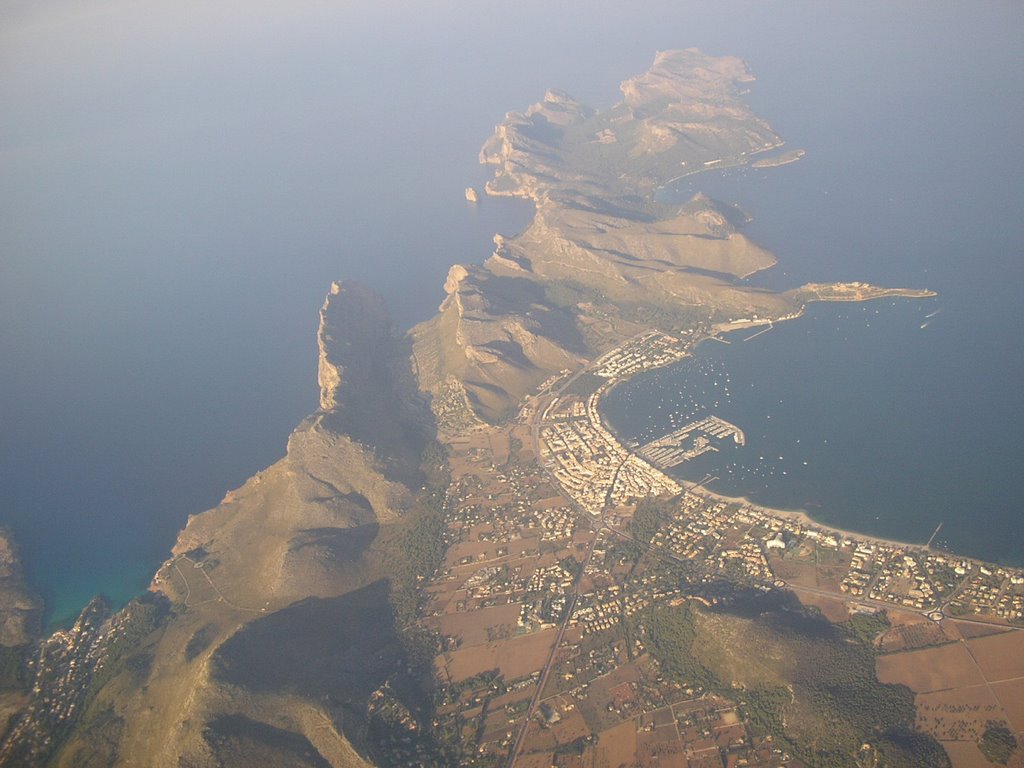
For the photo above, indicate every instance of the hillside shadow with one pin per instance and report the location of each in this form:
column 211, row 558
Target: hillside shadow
column 340, row 649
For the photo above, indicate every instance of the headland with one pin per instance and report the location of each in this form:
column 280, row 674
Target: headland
column 456, row 562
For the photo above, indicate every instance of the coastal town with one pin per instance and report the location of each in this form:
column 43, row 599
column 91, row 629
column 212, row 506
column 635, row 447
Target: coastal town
column 598, row 473
column 559, row 560
column 583, row 456
column 573, row 564
column 62, row 670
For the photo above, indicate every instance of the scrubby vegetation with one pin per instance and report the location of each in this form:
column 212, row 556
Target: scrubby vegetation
column 129, row 647
column 997, row 743
column 411, row 549
column 867, row 626
column 812, row 686
column 200, row 641
column 670, row 634
column 13, row 672
column 651, row 514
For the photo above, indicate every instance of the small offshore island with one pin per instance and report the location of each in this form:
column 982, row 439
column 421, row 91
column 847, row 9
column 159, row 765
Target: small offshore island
column 457, row 563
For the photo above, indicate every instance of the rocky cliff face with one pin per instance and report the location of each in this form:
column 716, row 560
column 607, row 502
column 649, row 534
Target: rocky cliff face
column 281, row 562
column 368, row 391
column 495, row 338
column 328, row 374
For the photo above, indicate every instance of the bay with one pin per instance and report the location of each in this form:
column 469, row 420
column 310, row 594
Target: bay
column 847, row 415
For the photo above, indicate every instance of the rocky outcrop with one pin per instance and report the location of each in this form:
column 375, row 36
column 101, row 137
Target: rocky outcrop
column 601, row 257
column 691, row 82
column 367, row 390
column 21, row 609
column 298, row 531
column 528, row 147
column 682, row 115
column 497, row 337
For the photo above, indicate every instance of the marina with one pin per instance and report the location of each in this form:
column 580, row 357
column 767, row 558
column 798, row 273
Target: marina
column 858, row 445
column 695, row 439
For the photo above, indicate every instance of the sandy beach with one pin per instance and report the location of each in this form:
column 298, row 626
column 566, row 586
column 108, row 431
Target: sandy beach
column 802, row 517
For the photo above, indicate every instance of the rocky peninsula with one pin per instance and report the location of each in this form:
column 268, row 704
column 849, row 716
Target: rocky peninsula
column 422, row 578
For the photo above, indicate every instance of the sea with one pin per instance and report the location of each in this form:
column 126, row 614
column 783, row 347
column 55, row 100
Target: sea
column 846, row 415
column 179, row 186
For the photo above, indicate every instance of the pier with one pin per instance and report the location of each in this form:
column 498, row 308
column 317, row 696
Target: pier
column 763, row 330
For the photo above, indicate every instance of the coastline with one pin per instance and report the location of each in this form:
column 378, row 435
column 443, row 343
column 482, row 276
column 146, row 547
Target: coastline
column 804, row 518
column 799, row 516
column 777, row 161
